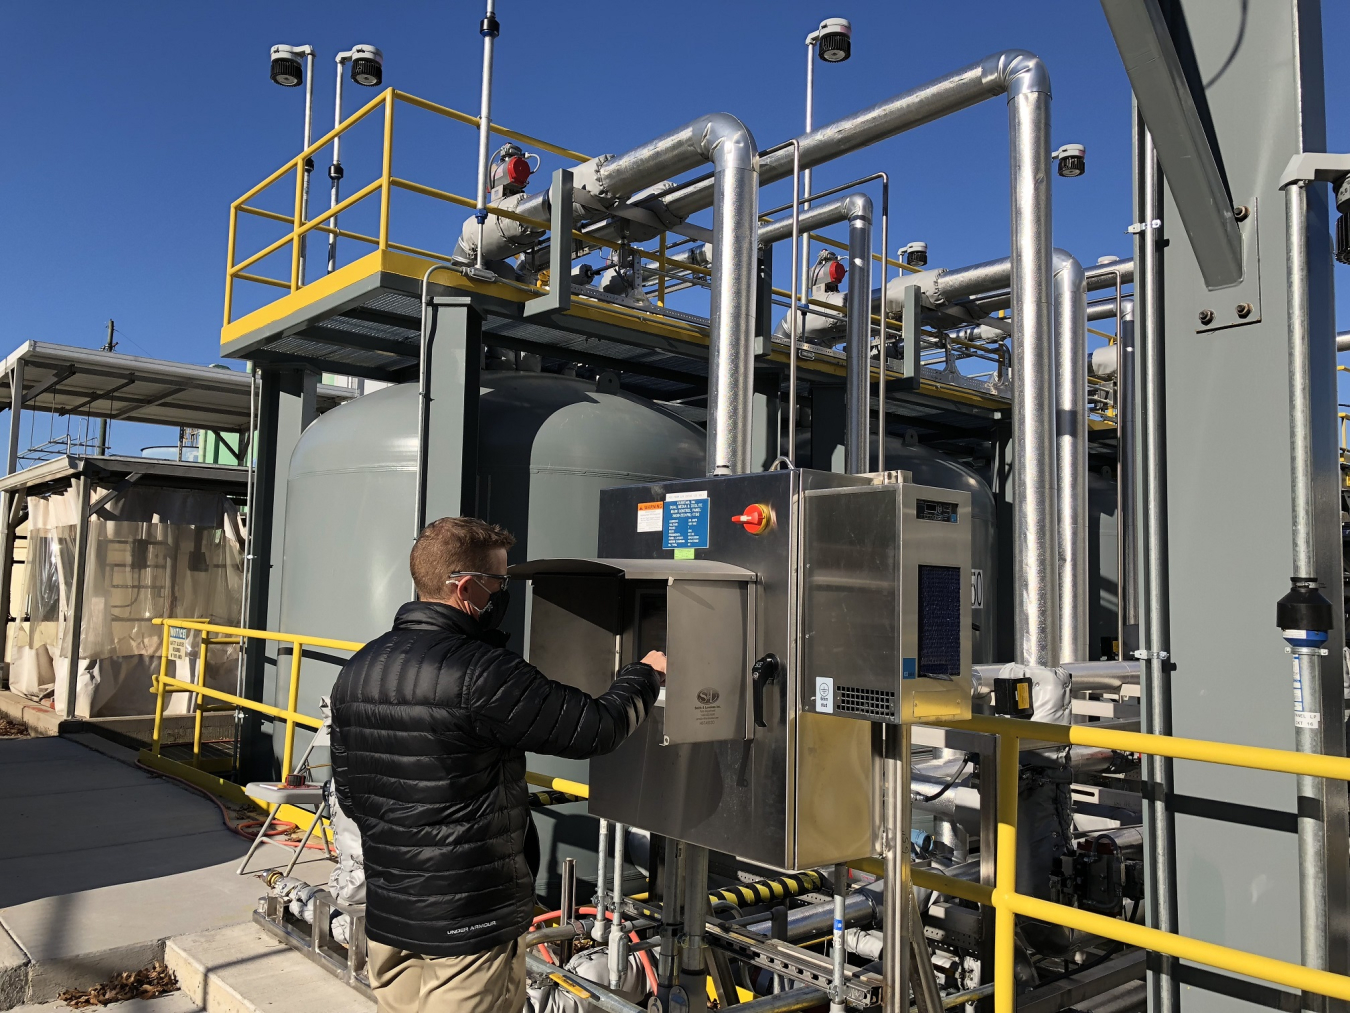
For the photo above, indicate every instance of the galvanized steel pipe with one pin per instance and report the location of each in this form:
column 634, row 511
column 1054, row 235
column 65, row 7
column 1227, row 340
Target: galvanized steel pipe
column 856, row 209
column 1307, row 660
column 1070, row 303
column 1150, row 466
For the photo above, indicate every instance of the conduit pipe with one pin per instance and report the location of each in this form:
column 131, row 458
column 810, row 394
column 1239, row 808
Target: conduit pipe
column 856, row 209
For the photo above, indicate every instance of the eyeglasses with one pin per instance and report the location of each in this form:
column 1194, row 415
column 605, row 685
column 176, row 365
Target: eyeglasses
column 503, row 578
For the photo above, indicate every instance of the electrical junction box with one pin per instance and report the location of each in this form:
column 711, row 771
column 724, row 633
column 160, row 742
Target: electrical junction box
column 795, row 608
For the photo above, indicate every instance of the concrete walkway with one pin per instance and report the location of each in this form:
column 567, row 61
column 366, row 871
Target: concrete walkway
column 101, row 862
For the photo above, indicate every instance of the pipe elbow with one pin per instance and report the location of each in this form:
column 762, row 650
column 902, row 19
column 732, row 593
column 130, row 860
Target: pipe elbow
column 727, row 142
column 1067, row 264
column 1016, row 71
column 858, row 205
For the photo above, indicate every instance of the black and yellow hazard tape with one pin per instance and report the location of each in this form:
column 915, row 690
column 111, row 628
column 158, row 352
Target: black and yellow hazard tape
column 766, row 891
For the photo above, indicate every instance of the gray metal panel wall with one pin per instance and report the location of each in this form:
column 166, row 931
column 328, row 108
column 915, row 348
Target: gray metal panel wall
column 1229, row 508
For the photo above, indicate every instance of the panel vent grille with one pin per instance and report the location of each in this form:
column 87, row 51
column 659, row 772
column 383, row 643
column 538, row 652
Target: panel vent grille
column 876, row 703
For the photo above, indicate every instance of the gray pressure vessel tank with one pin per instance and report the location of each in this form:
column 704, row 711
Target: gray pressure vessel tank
column 547, row 445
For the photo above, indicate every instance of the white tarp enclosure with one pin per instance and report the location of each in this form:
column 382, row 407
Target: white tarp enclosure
column 152, row 552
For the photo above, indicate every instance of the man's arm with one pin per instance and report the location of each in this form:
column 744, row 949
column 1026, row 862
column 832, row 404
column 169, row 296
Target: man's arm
column 519, row 707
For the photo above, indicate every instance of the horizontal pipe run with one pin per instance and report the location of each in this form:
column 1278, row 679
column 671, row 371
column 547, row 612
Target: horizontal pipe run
column 861, row 907
column 1011, row 72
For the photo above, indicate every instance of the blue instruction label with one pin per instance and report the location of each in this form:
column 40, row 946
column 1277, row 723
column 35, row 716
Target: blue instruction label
column 684, row 521
column 909, row 668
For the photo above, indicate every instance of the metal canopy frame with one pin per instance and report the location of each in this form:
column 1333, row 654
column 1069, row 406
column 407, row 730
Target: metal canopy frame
column 67, row 380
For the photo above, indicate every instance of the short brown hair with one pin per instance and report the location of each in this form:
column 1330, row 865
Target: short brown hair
column 452, row 545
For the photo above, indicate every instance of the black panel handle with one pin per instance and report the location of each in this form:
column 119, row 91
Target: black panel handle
column 766, row 671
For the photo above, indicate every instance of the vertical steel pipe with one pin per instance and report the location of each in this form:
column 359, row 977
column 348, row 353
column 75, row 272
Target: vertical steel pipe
column 618, row 957
column 335, row 169
column 838, row 952
column 308, row 167
column 1154, row 608
column 1036, row 608
column 601, row 879
column 858, row 304
column 75, row 620
column 895, row 837
column 693, row 966
column 1127, row 491
column 1307, row 659
column 731, row 365
column 568, row 903
column 1070, row 302
column 488, row 29
column 672, row 918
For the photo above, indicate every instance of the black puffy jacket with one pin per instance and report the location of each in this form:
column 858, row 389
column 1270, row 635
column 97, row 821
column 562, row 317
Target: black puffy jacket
column 431, row 723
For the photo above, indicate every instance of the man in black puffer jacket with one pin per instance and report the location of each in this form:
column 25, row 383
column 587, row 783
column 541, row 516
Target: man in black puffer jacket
column 431, row 723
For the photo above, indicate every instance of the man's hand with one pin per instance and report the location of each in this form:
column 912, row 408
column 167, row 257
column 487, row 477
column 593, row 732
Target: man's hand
column 657, row 660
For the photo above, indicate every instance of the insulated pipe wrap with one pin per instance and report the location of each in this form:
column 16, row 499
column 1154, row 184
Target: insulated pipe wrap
column 1071, row 454
column 1036, row 608
column 948, row 94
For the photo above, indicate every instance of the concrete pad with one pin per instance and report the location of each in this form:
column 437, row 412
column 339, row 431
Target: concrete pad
column 40, row 720
column 174, row 1002
column 241, row 969
column 13, row 971
column 100, row 862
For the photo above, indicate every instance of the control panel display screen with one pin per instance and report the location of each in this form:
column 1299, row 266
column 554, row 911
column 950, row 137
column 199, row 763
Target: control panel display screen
column 935, row 510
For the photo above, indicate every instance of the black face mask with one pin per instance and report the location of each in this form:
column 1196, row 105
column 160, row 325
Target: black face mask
column 495, row 610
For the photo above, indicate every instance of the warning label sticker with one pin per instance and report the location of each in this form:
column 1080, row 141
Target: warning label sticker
column 649, row 516
column 178, row 644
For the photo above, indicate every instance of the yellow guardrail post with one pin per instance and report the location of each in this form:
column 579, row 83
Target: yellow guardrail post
column 159, row 691
column 661, row 278
column 229, row 264
column 292, row 701
column 200, row 700
column 295, row 229
column 1005, row 875
column 387, row 168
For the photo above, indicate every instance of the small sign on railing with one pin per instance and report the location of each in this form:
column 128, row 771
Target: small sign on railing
column 178, row 643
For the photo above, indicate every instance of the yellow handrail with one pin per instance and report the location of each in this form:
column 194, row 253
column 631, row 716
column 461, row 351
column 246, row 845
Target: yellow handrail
column 164, row 685
column 1008, row 903
column 1002, row 896
column 384, row 185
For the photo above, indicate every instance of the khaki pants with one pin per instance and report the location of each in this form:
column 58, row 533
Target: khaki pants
column 489, row 982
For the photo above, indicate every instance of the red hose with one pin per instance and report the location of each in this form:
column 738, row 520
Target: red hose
column 225, row 814
column 641, row 955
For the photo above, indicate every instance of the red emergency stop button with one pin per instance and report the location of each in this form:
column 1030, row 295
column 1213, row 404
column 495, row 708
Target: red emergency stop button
column 756, row 518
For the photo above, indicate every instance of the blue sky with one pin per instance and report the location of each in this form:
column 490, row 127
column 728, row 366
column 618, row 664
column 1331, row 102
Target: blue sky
column 131, row 127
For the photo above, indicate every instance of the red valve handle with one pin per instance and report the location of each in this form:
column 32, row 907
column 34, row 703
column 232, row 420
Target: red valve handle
column 755, row 518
